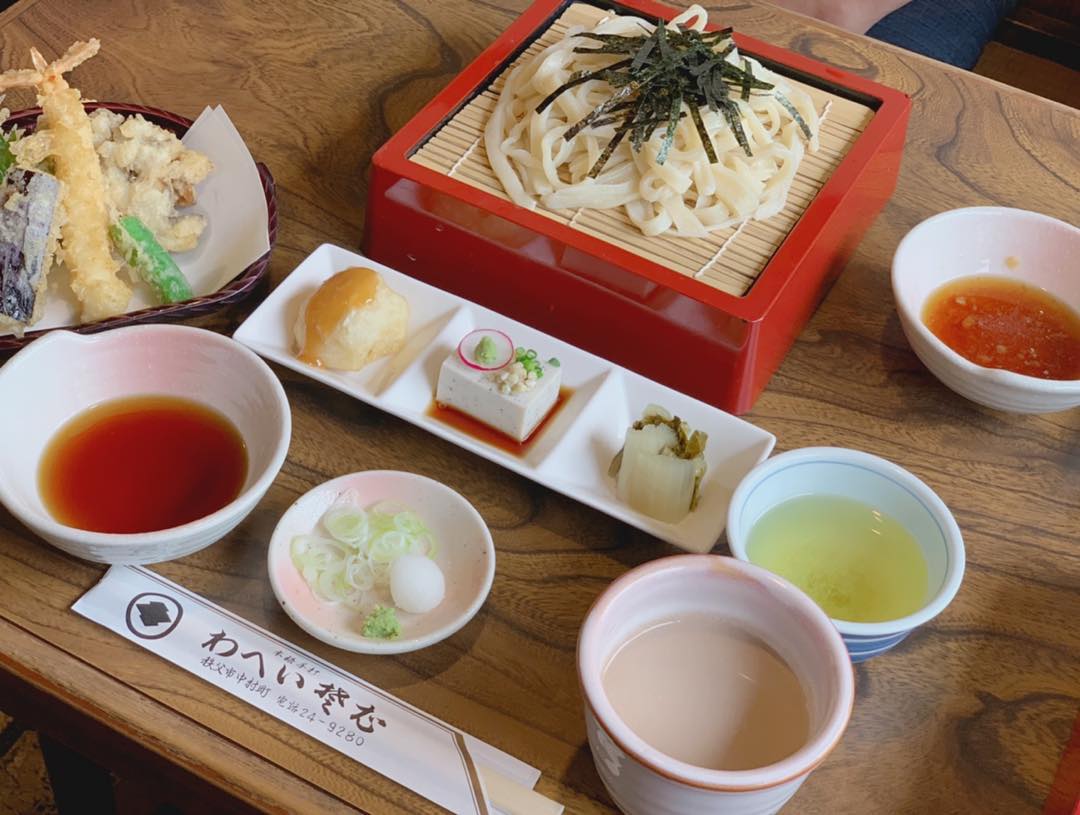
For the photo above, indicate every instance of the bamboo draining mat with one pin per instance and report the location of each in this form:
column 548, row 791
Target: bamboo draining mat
column 729, row 260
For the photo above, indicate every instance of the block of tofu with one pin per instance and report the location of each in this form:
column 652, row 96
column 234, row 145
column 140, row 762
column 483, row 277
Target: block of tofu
column 477, row 393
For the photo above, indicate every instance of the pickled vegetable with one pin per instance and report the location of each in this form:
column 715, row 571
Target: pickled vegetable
column 660, row 468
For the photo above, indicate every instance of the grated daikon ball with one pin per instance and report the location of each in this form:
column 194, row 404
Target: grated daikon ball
column 416, row 584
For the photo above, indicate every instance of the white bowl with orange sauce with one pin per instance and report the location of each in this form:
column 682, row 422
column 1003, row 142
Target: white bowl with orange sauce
column 62, row 375
column 998, row 242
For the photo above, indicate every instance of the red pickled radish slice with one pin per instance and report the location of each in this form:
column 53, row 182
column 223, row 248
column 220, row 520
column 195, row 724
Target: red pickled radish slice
column 504, row 349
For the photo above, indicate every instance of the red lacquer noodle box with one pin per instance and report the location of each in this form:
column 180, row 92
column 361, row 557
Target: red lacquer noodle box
column 594, row 289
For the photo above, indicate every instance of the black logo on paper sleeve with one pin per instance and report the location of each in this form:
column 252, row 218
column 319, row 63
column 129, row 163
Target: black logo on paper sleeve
column 153, row 612
column 151, row 616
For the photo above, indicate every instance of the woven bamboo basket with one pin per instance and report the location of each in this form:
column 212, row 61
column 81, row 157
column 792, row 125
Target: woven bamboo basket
column 239, row 288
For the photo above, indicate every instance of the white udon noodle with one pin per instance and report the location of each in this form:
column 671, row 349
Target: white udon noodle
column 686, row 194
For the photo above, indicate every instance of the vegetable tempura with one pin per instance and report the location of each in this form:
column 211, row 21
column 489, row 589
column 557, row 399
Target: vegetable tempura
column 92, row 193
column 149, row 173
column 64, row 134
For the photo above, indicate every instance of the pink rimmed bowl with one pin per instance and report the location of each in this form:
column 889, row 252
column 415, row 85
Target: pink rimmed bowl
column 644, row 781
column 62, row 374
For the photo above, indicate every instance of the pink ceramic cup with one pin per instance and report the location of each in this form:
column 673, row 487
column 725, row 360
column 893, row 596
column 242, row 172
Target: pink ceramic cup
column 644, row 781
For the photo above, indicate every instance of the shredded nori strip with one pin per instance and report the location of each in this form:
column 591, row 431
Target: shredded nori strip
column 579, row 79
column 790, row 108
column 660, row 71
column 599, row 111
column 731, row 113
column 703, row 134
column 673, row 121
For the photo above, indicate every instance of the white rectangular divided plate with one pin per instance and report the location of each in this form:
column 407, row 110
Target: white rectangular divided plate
column 574, row 451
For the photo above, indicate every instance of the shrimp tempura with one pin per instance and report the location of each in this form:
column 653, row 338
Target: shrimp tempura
column 65, row 128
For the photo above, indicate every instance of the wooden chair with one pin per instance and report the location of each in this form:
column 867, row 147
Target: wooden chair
column 1046, row 28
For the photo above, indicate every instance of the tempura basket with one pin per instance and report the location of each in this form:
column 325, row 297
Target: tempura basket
column 239, row 288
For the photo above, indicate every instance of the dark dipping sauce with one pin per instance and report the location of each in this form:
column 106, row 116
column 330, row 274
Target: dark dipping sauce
column 142, row 464
column 998, row 322
column 452, row 417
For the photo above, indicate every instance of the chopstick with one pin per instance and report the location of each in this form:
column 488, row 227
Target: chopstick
column 513, row 798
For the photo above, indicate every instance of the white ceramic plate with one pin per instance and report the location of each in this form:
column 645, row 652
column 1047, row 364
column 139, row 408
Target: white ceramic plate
column 573, row 452
column 465, row 553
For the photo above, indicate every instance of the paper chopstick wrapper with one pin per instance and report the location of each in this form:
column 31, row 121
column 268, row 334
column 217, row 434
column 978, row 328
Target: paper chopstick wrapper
column 236, row 233
column 351, row 716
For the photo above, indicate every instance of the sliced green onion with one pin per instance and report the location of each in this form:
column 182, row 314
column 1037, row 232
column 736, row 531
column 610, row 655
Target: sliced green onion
column 355, row 559
column 409, row 523
column 387, row 507
column 388, row 547
column 347, row 523
column 358, row 574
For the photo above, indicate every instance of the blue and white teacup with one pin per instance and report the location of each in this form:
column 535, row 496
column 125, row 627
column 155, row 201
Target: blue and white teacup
column 880, row 484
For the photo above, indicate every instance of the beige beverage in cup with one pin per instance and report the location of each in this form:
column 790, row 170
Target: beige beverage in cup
column 708, row 692
column 711, row 686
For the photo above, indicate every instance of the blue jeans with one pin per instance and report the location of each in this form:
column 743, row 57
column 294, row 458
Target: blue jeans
column 953, row 31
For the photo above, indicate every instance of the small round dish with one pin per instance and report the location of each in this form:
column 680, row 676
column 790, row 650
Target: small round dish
column 466, row 555
column 998, row 241
column 877, row 483
column 59, row 376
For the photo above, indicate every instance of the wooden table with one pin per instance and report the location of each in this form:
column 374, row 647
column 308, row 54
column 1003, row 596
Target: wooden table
column 970, row 714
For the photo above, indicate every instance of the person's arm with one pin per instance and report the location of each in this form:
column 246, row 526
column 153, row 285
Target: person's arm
column 854, row 15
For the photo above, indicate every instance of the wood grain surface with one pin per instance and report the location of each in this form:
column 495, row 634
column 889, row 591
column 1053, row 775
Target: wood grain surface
column 970, row 714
